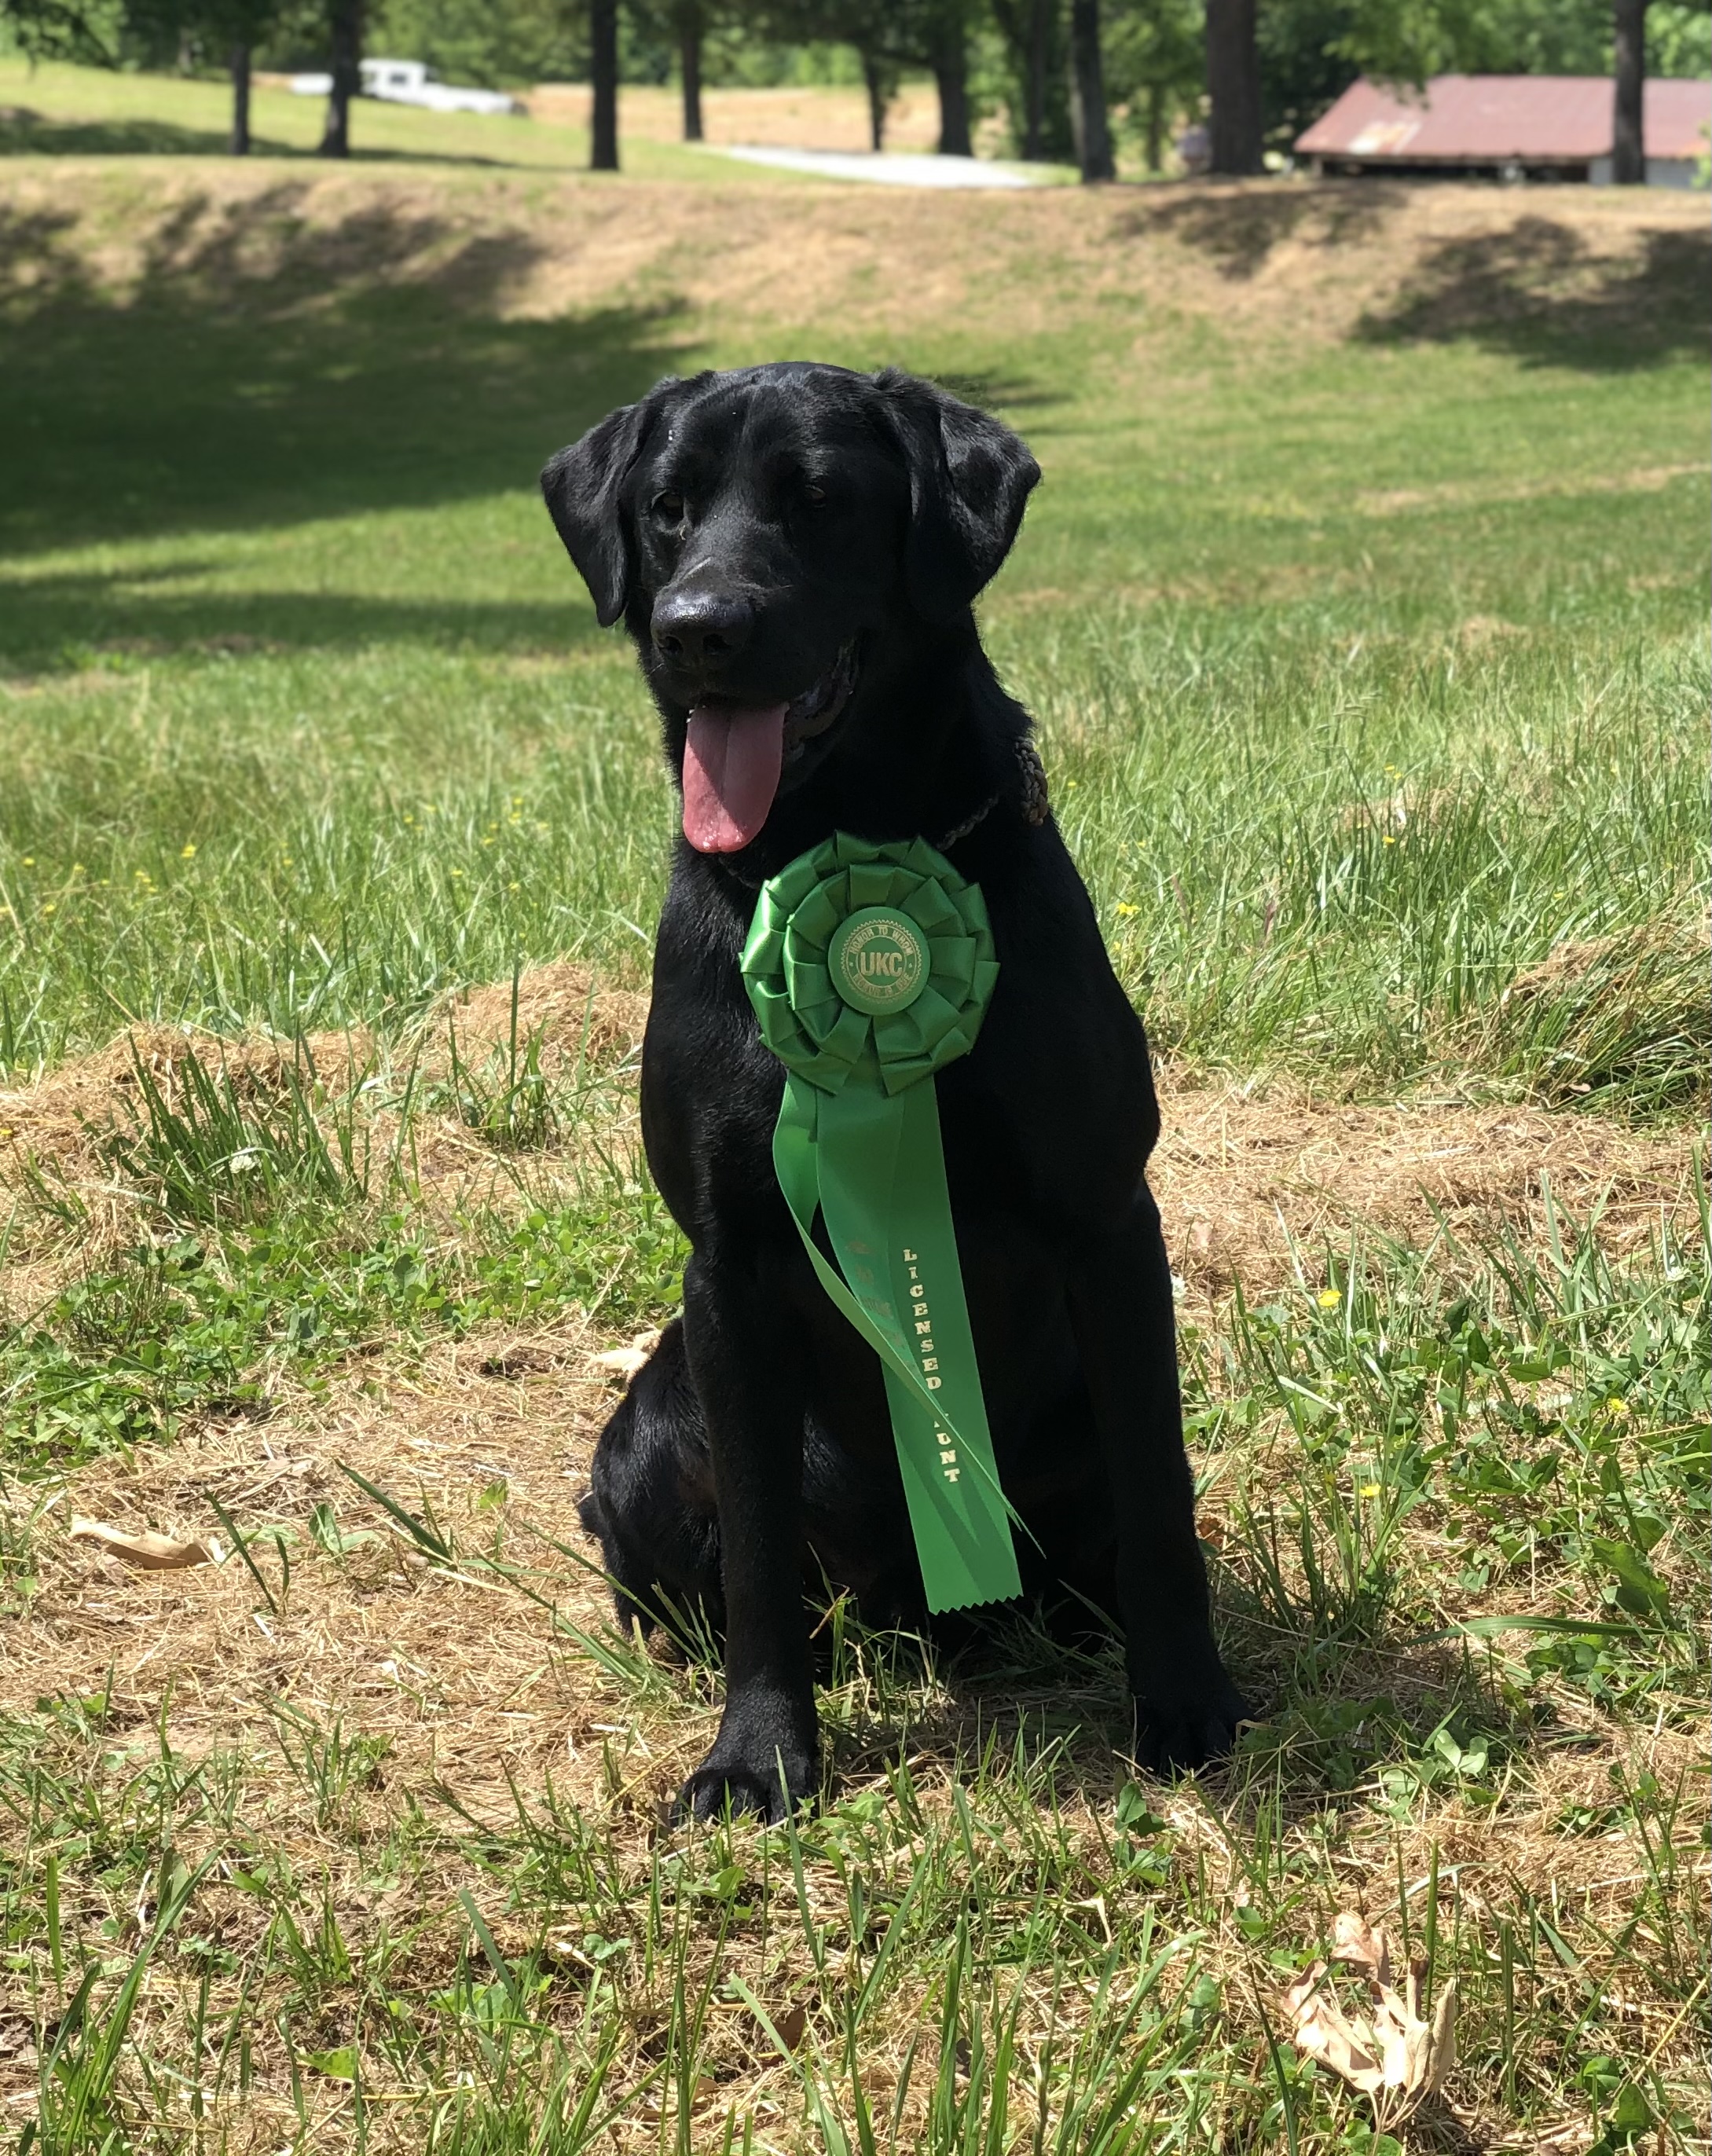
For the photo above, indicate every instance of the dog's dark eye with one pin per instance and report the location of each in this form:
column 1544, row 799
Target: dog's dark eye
column 669, row 505
column 813, row 494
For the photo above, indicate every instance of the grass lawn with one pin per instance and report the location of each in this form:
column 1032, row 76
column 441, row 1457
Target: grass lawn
column 53, row 109
column 1363, row 611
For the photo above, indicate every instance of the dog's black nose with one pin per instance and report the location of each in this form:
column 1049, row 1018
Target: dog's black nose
column 696, row 627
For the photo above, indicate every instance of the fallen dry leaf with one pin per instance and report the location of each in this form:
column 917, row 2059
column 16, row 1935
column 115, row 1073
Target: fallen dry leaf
column 625, row 1362
column 1392, row 2055
column 1354, row 1941
column 149, row 1552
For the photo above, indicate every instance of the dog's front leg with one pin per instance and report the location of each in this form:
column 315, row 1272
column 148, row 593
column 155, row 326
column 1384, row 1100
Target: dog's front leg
column 766, row 1756
column 1186, row 1707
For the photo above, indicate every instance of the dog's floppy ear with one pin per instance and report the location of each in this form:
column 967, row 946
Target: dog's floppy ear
column 969, row 482
column 583, row 486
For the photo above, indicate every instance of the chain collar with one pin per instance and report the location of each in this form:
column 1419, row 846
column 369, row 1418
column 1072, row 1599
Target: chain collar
column 1035, row 804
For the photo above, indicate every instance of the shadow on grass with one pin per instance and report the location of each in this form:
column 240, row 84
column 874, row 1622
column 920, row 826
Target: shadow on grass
column 1335, row 1713
column 26, row 134
column 1239, row 231
column 258, row 369
column 52, row 623
column 1537, row 292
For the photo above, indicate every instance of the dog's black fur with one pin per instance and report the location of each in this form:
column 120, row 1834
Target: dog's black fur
column 800, row 534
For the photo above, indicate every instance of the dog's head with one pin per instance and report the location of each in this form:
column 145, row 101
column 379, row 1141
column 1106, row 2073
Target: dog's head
column 781, row 542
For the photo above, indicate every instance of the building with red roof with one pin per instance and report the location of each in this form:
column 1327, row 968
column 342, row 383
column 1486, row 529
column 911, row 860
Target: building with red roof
column 1509, row 127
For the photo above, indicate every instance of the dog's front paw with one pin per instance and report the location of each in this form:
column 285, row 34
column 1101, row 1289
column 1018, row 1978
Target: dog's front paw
column 761, row 1770
column 1184, row 1725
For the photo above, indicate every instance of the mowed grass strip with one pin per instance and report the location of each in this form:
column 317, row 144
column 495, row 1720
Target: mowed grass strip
column 1362, row 613
column 59, row 110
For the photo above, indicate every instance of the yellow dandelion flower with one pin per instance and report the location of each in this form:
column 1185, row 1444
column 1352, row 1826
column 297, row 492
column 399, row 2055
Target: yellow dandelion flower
column 1370, row 1489
column 1125, row 909
column 49, row 907
column 1329, row 1298
column 186, row 852
column 1616, row 1404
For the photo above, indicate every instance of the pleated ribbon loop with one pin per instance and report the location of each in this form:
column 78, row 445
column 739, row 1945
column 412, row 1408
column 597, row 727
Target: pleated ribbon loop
column 870, row 969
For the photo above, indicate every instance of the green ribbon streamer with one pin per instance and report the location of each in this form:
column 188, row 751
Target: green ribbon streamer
column 871, row 968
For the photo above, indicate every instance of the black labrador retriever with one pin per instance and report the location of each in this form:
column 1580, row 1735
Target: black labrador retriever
column 795, row 550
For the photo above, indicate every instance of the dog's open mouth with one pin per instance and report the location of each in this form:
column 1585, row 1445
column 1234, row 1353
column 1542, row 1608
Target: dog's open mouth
column 735, row 754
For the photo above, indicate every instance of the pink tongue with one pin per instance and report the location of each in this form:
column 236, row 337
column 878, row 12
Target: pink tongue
column 731, row 761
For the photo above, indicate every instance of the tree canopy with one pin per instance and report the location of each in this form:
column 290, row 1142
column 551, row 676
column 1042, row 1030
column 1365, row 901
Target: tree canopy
column 1148, row 65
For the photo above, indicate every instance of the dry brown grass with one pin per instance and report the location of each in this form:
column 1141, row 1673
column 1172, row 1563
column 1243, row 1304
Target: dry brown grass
column 574, row 1015
column 1268, row 262
column 1247, row 1174
column 474, row 1698
column 64, row 1125
column 788, row 117
column 1246, row 1177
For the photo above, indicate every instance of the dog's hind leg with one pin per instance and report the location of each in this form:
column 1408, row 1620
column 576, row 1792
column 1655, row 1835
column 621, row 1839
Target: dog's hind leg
column 650, row 1504
column 1186, row 1707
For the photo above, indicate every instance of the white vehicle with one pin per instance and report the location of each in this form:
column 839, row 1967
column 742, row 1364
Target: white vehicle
column 410, row 82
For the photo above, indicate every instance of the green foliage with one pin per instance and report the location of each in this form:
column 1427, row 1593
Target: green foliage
column 196, row 1328
column 87, row 31
column 498, row 42
column 1155, row 62
column 1550, row 1407
column 1407, row 43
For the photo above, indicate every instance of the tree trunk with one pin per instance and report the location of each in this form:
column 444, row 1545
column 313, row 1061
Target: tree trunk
column 1628, row 150
column 950, row 72
column 1034, row 110
column 1233, row 87
column 1154, row 136
column 345, row 37
column 878, row 97
column 603, row 78
column 1088, row 115
column 690, row 59
column 239, row 144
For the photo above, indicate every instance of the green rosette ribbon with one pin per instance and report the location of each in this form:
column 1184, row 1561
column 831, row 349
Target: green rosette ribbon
column 870, row 969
